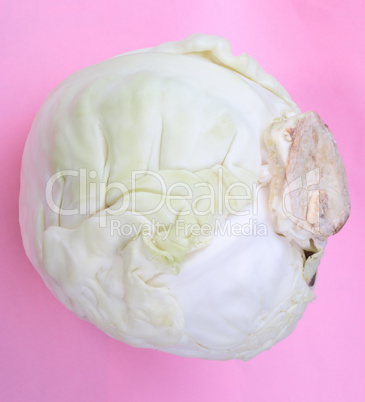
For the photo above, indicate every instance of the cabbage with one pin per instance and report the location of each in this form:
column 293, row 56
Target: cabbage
column 178, row 199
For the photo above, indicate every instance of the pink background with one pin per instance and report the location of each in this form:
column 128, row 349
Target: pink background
column 316, row 50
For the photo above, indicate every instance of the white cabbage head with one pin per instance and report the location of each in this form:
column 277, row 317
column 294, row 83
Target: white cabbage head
column 177, row 198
